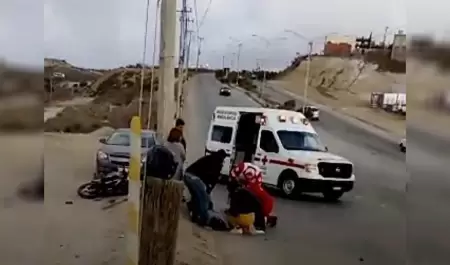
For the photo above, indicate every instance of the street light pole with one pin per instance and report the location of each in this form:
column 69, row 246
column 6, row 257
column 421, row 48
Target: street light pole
column 308, row 67
column 237, row 63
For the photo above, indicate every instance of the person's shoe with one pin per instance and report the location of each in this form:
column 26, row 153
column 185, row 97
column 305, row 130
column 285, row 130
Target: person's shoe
column 237, row 231
column 259, row 232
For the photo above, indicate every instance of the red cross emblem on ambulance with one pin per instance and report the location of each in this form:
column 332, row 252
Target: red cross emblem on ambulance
column 264, row 160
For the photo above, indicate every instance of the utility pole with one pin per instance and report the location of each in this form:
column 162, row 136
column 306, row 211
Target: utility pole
column 159, row 218
column 199, row 51
column 385, row 36
column 188, row 52
column 223, row 61
column 166, row 103
column 308, row 67
column 183, row 34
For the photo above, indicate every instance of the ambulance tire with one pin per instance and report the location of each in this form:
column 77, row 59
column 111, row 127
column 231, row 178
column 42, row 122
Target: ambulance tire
column 287, row 183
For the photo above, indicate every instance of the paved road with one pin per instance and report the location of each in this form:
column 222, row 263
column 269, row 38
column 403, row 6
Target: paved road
column 368, row 226
column 428, row 196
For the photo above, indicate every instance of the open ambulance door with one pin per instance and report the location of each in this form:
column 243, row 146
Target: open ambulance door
column 221, row 134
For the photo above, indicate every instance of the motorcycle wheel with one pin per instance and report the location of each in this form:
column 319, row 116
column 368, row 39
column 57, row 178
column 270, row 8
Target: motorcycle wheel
column 87, row 191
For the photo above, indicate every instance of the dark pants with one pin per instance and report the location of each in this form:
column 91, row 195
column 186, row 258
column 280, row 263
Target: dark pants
column 200, row 200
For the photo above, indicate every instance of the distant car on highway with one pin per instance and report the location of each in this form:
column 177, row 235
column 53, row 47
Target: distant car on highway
column 311, row 112
column 115, row 150
column 225, row 91
column 402, row 145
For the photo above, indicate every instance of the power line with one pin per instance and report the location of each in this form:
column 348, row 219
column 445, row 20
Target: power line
column 202, row 21
column 196, row 19
column 144, row 53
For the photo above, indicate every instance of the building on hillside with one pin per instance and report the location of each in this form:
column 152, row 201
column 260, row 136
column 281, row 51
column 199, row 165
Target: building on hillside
column 337, row 49
column 398, row 52
column 339, row 45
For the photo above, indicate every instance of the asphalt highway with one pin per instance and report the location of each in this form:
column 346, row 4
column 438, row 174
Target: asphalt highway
column 370, row 225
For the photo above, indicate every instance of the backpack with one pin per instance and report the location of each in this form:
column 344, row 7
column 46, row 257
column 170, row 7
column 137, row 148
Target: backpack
column 160, row 162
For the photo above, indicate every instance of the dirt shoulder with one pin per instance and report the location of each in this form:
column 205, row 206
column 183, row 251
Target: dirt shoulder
column 345, row 85
column 71, row 222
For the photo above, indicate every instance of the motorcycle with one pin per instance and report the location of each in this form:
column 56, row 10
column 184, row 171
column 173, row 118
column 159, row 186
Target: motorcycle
column 109, row 185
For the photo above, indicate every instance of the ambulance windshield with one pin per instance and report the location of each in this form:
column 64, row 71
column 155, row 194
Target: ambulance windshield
column 304, row 141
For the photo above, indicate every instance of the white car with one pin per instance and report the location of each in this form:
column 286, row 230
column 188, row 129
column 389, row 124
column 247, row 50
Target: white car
column 402, row 145
column 311, row 112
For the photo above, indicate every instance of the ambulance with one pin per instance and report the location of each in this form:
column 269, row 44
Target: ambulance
column 284, row 145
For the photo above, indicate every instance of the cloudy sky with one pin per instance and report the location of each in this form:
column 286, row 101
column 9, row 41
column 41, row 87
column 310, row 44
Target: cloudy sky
column 110, row 33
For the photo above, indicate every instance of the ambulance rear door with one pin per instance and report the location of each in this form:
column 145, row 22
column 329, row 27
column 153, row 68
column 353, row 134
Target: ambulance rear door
column 221, row 134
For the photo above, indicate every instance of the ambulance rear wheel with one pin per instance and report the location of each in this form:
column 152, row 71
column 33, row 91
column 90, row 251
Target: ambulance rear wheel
column 288, row 184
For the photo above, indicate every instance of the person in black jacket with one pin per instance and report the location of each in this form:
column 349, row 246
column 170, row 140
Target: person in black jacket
column 208, row 168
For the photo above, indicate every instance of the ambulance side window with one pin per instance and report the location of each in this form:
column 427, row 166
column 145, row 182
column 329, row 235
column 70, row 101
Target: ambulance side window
column 268, row 142
column 221, row 134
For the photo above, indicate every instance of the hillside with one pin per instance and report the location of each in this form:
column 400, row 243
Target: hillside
column 346, row 85
column 71, row 72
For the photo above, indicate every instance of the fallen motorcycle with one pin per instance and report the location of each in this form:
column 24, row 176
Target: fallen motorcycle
column 109, row 185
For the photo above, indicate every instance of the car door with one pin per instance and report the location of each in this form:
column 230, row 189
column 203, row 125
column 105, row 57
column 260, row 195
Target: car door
column 220, row 136
column 267, row 151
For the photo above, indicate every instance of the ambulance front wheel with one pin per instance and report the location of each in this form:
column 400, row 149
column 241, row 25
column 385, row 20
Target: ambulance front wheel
column 288, row 184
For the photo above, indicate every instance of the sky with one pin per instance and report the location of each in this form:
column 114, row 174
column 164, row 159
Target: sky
column 110, row 33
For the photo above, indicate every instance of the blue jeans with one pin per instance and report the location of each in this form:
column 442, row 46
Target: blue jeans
column 200, row 199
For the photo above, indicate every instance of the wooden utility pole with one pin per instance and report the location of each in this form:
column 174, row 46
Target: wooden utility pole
column 161, row 204
column 161, row 199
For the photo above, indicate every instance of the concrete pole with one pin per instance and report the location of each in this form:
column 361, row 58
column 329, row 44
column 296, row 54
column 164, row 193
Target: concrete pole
column 199, row 51
column 188, row 52
column 263, row 87
column 166, row 91
column 180, row 61
column 308, row 68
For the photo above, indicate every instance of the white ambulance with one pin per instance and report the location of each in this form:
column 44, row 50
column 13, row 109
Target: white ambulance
column 284, row 145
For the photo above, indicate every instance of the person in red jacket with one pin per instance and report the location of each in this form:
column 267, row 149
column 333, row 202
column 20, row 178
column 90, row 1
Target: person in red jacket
column 250, row 176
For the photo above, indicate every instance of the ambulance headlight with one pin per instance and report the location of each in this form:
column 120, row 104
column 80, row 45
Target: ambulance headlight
column 310, row 168
column 282, row 118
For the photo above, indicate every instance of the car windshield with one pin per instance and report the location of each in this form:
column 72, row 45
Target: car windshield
column 123, row 139
column 296, row 141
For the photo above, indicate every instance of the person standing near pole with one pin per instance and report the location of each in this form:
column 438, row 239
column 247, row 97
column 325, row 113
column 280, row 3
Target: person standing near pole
column 179, row 124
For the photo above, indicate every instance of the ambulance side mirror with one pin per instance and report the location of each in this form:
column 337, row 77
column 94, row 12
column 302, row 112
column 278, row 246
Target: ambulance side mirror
column 326, row 148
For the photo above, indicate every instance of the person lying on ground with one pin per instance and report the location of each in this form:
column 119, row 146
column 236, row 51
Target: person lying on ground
column 208, row 168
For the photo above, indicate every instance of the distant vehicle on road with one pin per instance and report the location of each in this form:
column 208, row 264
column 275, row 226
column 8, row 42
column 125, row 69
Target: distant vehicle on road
column 225, row 91
column 402, row 145
column 58, row 75
column 115, row 150
column 284, row 145
column 311, row 112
